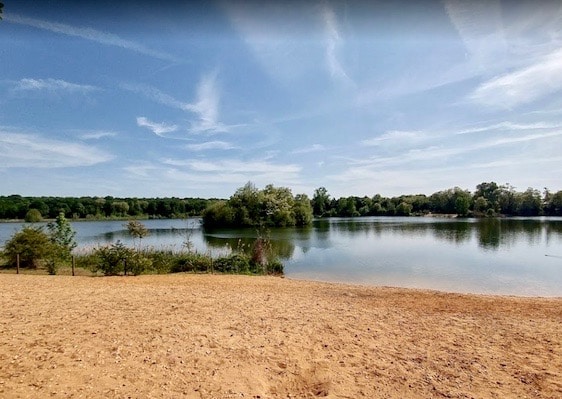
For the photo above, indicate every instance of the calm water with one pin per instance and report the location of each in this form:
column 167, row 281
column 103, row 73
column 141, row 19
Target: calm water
column 500, row 256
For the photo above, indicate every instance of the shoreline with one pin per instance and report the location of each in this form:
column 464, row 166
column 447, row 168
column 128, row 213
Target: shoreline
column 232, row 336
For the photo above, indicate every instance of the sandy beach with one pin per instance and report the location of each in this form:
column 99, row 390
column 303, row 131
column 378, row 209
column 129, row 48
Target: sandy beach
column 210, row 336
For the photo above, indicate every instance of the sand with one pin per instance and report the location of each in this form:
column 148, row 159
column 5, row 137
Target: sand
column 210, row 336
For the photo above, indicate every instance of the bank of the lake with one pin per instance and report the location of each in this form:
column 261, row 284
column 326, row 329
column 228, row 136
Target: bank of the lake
column 196, row 336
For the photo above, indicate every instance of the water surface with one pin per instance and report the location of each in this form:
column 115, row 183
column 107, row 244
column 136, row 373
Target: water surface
column 492, row 256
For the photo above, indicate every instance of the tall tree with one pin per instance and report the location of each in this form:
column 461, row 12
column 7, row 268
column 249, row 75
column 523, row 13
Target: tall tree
column 320, row 201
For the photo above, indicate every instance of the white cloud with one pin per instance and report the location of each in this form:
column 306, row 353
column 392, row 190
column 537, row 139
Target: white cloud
column 333, row 41
column 159, row 129
column 511, row 126
column 96, row 135
column 211, row 145
column 274, row 34
column 158, row 96
column 236, row 166
column 52, row 85
column 88, row 34
column 234, row 171
column 522, row 86
column 207, row 106
column 312, row 148
column 19, row 150
column 392, row 136
column 479, row 24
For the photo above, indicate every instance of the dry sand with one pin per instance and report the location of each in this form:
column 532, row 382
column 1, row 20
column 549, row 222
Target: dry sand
column 205, row 336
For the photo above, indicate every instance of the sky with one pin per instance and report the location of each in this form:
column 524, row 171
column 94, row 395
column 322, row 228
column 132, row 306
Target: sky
column 195, row 99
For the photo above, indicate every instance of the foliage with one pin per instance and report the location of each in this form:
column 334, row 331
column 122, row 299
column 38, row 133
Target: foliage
column 111, row 259
column 320, row 201
column 33, row 216
column 250, row 207
column 272, row 206
column 16, row 207
column 191, row 262
column 137, row 230
column 62, row 234
column 403, row 209
column 32, row 244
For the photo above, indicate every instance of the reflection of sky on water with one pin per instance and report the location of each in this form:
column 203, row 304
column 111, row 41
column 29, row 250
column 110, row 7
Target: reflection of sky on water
column 503, row 256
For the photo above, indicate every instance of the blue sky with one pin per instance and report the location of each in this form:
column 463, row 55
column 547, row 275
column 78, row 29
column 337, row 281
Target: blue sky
column 195, row 99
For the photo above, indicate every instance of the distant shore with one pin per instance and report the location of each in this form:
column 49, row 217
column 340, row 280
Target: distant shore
column 225, row 336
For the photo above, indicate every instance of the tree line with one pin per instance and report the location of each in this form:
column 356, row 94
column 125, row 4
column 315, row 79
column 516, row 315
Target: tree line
column 276, row 206
column 489, row 199
column 18, row 207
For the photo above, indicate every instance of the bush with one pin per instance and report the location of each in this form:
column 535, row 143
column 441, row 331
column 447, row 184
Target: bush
column 275, row 267
column 236, row 263
column 33, row 216
column 32, row 244
column 162, row 261
column 191, row 262
column 137, row 264
column 111, row 259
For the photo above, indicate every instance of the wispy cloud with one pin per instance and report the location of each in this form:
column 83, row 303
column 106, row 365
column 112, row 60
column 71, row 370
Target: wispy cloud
column 32, row 150
column 437, row 152
column 522, row 86
column 393, row 136
column 96, row 135
column 160, row 129
column 308, row 150
column 479, row 24
column 510, row 126
column 211, row 145
column 52, row 85
column 157, row 95
column 235, row 171
column 88, row 34
column 333, row 41
column 205, row 107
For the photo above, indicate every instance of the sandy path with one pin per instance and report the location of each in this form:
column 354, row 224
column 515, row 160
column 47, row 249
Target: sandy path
column 201, row 336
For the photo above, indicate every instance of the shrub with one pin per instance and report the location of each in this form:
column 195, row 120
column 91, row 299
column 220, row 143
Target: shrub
column 33, row 216
column 236, row 263
column 137, row 263
column 162, row 261
column 275, row 267
column 191, row 262
column 111, row 259
column 32, row 244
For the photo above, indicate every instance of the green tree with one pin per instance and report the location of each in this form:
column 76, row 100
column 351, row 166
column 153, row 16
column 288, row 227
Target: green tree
column 137, row 230
column 480, row 204
column 403, row 209
column 490, row 192
column 507, row 200
column 320, row 201
column 62, row 235
column 554, row 204
column 32, row 245
column 462, row 205
column 33, row 216
column 462, row 200
column 250, row 207
column 302, row 210
column 529, row 203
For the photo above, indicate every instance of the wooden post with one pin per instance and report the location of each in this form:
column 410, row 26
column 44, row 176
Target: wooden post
column 73, row 264
column 17, row 263
column 125, row 267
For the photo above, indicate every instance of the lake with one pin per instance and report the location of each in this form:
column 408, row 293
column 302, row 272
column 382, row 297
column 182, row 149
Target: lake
column 515, row 256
